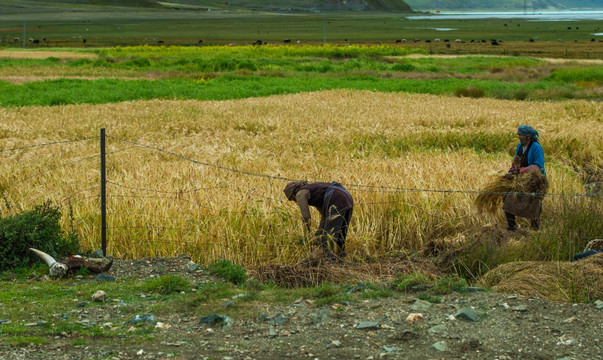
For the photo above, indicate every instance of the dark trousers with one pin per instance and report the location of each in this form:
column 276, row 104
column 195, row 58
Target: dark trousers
column 512, row 223
column 332, row 232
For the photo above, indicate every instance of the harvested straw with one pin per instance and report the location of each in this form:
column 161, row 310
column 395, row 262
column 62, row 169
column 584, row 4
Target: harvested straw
column 555, row 281
column 492, row 195
column 315, row 270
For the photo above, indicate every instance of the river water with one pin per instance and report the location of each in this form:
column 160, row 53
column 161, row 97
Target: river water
column 530, row 15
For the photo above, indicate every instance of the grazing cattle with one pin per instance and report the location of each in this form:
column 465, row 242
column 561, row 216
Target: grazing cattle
column 200, row 42
column 160, row 42
column 592, row 40
column 427, row 41
column 398, row 41
column 448, row 45
column 16, row 39
column 417, row 40
column 458, row 40
column 531, row 40
column 84, row 41
column 436, row 40
column 446, row 40
column 569, row 27
column 493, row 42
column 287, row 41
column 258, row 42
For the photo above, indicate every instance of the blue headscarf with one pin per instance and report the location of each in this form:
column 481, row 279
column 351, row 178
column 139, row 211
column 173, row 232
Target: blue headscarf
column 527, row 130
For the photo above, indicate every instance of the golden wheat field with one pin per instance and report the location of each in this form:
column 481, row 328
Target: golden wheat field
column 205, row 178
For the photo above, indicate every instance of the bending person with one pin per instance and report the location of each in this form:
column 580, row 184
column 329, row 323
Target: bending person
column 334, row 203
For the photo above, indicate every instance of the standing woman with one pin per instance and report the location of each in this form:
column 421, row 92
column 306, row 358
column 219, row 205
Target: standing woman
column 334, row 203
column 529, row 156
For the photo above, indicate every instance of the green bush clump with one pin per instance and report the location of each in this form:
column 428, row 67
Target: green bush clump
column 470, row 91
column 228, row 271
column 448, row 284
column 167, row 285
column 413, row 281
column 38, row 228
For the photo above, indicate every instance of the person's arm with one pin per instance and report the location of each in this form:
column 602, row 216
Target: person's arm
column 301, row 198
column 536, row 156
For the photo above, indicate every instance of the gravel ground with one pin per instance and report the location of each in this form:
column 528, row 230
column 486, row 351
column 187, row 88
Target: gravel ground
column 471, row 325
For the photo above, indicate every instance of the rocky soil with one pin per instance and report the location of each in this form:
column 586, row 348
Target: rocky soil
column 472, row 325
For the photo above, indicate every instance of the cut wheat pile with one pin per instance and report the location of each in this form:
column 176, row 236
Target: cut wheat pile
column 314, row 270
column 491, row 197
column 557, row 281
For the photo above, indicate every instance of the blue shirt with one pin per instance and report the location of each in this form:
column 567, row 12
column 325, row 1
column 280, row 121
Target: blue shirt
column 535, row 156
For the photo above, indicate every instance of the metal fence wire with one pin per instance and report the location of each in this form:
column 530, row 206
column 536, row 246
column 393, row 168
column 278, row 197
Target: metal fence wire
column 99, row 190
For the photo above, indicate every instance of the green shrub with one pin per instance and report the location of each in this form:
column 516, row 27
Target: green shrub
column 412, row 281
column 228, row 271
column 38, row 228
column 521, row 94
column 167, row 285
column 448, row 284
column 470, row 91
column 326, row 289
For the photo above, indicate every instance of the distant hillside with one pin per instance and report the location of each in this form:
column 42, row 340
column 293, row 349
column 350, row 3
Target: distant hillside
column 503, row 5
column 17, row 6
column 301, row 5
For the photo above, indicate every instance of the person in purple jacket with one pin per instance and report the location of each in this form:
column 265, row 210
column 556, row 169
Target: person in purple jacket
column 529, row 156
column 335, row 205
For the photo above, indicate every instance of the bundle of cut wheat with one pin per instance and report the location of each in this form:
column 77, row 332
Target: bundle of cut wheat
column 491, row 197
column 549, row 280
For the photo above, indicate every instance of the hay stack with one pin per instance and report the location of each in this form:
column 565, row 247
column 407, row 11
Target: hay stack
column 554, row 281
column 492, row 195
